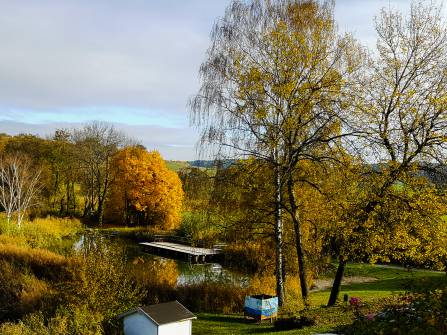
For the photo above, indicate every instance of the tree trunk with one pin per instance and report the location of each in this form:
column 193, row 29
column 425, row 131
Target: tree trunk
column 100, row 212
column 19, row 217
column 102, row 195
column 86, row 206
column 56, row 189
column 73, row 197
column 61, row 206
column 337, row 283
column 92, row 195
column 278, row 239
column 283, row 270
column 67, row 208
column 298, row 239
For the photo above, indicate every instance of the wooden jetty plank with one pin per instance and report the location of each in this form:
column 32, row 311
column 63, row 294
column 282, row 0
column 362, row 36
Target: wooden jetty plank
column 182, row 248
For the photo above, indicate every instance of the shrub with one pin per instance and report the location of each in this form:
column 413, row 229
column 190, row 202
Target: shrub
column 415, row 314
column 15, row 240
column 222, row 296
column 101, row 285
column 9, row 328
column 20, row 293
column 209, row 297
column 212, row 297
column 251, row 257
column 197, row 228
column 34, row 294
column 76, row 321
column 166, row 275
column 137, row 234
column 10, row 287
column 48, row 233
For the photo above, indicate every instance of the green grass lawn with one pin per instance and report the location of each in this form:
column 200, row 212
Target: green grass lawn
column 390, row 282
column 235, row 324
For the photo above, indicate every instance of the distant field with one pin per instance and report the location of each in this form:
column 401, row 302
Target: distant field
column 177, row 165
column 206, row 166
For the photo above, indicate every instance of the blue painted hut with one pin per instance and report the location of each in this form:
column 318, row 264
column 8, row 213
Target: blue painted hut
column 261, row 306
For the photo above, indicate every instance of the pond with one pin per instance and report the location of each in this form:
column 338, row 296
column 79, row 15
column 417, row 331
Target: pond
column 182, row 272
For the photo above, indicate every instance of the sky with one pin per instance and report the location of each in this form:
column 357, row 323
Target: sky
column 133, row 63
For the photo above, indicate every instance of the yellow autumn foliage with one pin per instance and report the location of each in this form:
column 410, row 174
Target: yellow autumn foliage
column 166, row 275
column 144, row 191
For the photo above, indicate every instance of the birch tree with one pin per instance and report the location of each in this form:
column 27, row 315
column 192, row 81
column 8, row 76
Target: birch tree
column 27, row 188
column 7, row 187
column 271, row 85
column 19, row 186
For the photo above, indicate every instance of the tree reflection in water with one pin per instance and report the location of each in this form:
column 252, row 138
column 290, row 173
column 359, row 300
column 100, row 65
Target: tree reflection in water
column 155, row 269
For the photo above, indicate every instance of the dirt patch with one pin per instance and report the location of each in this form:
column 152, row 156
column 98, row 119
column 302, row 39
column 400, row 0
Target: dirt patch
column 323, row 284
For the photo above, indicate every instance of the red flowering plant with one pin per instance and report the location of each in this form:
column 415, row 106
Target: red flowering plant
column 416, row 313
column 355, row 303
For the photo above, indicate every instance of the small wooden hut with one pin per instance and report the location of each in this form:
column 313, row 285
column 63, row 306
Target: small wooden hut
column 170, row 318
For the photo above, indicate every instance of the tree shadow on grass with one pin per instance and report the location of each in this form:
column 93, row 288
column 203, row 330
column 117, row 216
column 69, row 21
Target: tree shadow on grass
column 226, row 319
column 248, row 325
column 272, row 329
column 395, row 284
column 263, row 330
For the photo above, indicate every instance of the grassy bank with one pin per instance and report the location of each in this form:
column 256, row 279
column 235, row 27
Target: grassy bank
column 387, row 285
column 47, row 287
column 53, row 234
column 136, row 234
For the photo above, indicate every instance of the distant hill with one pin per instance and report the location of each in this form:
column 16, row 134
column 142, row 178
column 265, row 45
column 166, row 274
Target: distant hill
column 203, row 164
column 436, row 173
column 209, row 164
column 177, row 165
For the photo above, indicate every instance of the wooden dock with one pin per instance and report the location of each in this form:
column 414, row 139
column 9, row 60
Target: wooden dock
column 193, row 254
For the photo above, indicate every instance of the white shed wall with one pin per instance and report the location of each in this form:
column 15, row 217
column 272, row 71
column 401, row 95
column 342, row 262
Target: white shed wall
column 138, row 324
column 176, row 328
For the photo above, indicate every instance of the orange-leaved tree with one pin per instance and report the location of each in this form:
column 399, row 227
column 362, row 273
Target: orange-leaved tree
column 144, row 191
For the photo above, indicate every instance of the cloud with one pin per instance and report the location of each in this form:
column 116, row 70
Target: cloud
column 172, row 143
column 134, row 63
column 58, row 54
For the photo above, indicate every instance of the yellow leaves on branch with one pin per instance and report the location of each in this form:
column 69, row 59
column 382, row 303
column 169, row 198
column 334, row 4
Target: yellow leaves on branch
column 144, row 191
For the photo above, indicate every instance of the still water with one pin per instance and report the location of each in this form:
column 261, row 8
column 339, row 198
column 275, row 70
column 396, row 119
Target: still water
column 182, row 272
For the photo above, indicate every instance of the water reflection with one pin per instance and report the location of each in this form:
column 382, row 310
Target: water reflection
column 157, row 269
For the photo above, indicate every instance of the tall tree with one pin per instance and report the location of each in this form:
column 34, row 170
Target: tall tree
column 144, row 191
column 402, row 104
column 19, row 185
column 64, row 174
column 271, row 86
column 7, row 187
column 96, row 143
